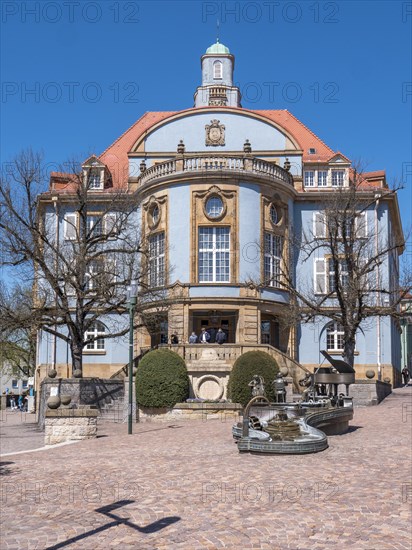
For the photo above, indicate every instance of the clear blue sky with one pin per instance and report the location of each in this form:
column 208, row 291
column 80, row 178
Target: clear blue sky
column 343, row 68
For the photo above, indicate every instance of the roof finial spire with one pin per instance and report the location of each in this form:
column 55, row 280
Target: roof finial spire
column 217, row 30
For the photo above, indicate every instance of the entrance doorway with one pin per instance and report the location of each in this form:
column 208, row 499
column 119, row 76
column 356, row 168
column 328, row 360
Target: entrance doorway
column 269, row 331
column 212, row 321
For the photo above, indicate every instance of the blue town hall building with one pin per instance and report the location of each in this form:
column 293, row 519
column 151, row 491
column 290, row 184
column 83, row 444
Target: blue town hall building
column 219, row 192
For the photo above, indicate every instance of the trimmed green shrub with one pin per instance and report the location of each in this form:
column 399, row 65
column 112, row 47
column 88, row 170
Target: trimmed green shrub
column 161, row 379
column 245, row 367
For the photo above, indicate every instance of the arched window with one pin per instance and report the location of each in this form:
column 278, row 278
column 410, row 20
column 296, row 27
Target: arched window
column 218, row 70
column 334, row 337
column 97, row 330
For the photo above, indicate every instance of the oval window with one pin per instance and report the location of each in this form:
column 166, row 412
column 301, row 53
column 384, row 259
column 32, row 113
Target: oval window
column 274, row 214
column 214, row 207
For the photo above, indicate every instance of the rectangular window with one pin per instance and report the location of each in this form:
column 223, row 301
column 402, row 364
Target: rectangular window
column 96, row 331
column 25, row 383
column 309, row 178
column 342, row 273
column 320, row 276
column 273, row 255
column 334, row 338
column 157, row 260
column 322, row 178
column 214, row 255
column 319, row 225
column 338, row 177
column 94, row 272
column 361, row 225
column 70, row 228
column 94, row 180
column 14, row 384
column 110, row 229
column 94, row 225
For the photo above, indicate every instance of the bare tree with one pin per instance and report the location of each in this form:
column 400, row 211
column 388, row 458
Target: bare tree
column 81, row 247
column 356, row 261
column 17, row 331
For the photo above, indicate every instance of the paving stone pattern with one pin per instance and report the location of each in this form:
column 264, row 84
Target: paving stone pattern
column 186, row 486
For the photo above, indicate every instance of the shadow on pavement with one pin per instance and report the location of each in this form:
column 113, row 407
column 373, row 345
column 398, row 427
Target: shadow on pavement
column 107, row 511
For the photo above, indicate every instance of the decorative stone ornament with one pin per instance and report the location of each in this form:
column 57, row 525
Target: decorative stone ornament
column 77, row 373
column 215, row 133
column 370, row 374
column 287, row 165
column 247, row 148
column 143, row 166
column 181, row 147
column 65, row 399
column 53, row 402
column 52, row 373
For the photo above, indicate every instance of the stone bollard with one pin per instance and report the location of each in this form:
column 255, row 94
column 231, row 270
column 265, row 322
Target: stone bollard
column 63, row 425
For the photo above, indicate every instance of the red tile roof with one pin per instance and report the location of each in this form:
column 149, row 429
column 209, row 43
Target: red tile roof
column 115, row 156
column 116, row 159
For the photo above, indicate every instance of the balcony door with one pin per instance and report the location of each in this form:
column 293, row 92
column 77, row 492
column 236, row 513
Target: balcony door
column 212, row 321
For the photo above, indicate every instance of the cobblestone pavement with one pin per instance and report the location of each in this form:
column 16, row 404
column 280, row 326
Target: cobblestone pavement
column 19, row 432
column 186, row 486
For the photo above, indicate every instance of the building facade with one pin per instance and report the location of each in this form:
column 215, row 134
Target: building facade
column 222, row 193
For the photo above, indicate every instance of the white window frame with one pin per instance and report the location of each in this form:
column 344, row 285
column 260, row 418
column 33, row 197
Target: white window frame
column 220, row 257
column 94, row 179
column 110, row 222
column 309, row 178
column 157, row 260
column 95, row 223
column 319, row 222
column 322, row 181
column 361, row 225
column 217, row 70
column 319, row 279
column 70, row 226
column 96, row 330
column 334, row 332
column 337, row 181
column 273, row 245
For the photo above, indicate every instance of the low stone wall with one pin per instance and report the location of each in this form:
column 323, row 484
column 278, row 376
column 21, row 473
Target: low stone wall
column 369, row 392
column 192, row 411
column 96, row 392
column 63, row 425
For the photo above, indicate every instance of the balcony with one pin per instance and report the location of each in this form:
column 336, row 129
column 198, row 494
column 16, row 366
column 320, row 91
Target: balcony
column 222, row 166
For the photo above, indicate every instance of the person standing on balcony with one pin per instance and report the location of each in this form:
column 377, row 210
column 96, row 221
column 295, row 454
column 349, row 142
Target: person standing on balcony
column 204, row 336
column 220, row 337
column 174, row 339
column 193, row 338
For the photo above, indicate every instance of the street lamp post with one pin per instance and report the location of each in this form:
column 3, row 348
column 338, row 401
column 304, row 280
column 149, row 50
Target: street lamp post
column 132, row 299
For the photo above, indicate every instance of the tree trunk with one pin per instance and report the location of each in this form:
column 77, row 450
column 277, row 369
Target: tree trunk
column 77, row 359
column 349, row 350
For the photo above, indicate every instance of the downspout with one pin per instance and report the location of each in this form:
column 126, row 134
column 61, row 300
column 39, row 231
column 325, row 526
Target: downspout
column 378, row 300
column 54, row 344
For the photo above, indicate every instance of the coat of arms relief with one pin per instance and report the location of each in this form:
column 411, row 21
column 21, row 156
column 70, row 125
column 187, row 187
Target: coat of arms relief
column 215, row 133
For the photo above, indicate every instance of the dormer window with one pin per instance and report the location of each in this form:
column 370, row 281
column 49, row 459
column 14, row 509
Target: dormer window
column 312, row 151
column 217, row 70
column 94, row 181
column 338, row 178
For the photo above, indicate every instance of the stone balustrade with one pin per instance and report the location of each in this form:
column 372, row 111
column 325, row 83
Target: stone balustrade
column 204, row 165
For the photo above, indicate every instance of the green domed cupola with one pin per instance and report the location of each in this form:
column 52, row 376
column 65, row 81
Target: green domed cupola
column 217, row 89
column 217, row 48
